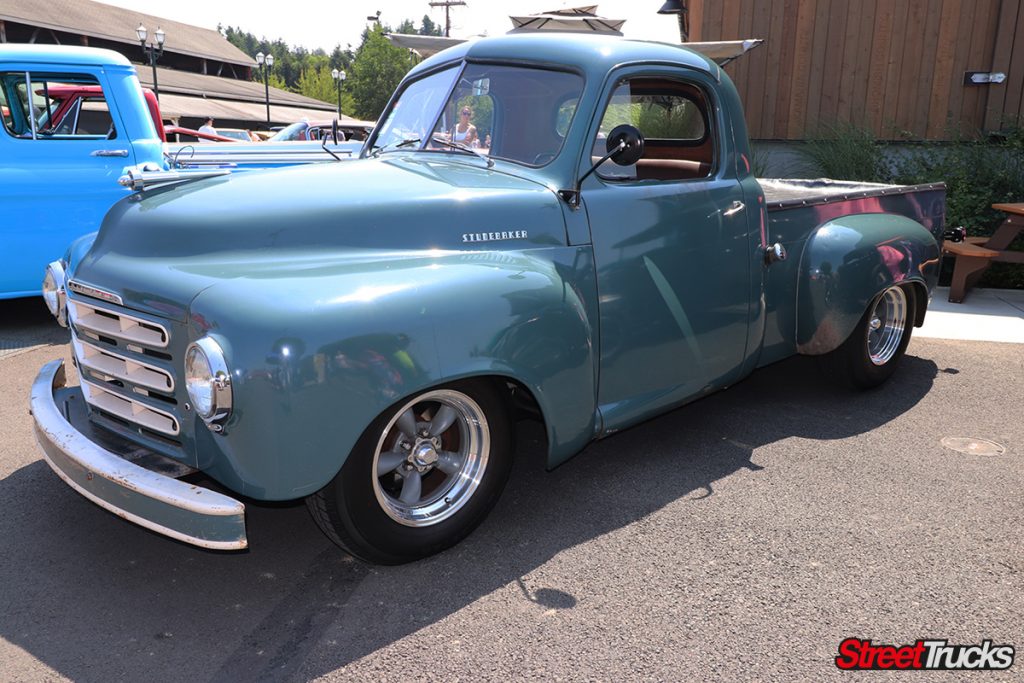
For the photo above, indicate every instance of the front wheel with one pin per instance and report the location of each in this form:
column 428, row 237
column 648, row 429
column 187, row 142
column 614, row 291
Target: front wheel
column 422, row 476
column 871, row 353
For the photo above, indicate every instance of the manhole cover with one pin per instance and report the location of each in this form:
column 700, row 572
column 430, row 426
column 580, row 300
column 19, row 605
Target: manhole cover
column 965, row 444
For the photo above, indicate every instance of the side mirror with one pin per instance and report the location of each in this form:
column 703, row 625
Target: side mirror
column 625, row 147
column 334, row 136
column 625, row 154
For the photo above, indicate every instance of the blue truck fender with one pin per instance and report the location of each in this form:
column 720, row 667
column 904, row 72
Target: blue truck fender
column 847, row 262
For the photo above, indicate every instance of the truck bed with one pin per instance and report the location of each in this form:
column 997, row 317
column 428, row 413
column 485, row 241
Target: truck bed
column 782, row 193
column 798, row 207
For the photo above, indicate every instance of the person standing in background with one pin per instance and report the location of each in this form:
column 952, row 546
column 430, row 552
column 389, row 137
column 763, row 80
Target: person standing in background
column 208, row 128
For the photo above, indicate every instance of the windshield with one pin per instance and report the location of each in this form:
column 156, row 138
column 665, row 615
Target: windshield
column 510, row 112
column 415, row 110
column 289, row 133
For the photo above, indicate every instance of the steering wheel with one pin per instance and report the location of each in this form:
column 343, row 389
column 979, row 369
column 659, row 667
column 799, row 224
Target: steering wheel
column 543, row 158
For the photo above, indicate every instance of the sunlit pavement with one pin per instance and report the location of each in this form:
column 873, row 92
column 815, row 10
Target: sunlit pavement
column 985, row 315
column 741, row 537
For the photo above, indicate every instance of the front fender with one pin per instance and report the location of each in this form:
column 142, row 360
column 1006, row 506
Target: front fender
column 849, row 261
column 317, row 353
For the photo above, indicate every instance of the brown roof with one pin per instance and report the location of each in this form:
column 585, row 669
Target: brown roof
column 97, row 20
column 201, row 85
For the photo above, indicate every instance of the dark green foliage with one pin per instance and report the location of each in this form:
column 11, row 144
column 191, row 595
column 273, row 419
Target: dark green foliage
column 376, row 71
column 429, row 28
column 844, row 152
column 369, row 85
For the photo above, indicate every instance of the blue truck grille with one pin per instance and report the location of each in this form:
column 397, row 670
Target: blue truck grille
column 128, row 372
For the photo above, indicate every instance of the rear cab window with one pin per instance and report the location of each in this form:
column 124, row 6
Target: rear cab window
column 48, row 106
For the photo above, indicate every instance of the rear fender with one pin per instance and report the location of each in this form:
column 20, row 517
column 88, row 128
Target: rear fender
column 849, row 261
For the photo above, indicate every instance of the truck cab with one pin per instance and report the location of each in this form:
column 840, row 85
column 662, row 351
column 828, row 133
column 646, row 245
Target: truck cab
column 60, row 170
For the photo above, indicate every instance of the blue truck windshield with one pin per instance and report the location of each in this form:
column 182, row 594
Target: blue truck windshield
column 510, row 112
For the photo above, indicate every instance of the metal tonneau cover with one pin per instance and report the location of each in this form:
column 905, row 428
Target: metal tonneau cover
column 782, row 193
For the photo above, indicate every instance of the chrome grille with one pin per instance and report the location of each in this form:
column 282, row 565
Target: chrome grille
column 125, row 366
column 94, row 320
column 112, row 365
column 130, row 409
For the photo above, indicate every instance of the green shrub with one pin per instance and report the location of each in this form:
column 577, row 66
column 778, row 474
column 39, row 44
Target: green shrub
column 843, row 152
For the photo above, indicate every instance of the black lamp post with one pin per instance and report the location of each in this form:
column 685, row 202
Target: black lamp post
column 339, row 78
column 265, row 63
column 153, row 51
column 678, row 8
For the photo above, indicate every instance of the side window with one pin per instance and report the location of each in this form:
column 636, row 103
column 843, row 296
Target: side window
column 44, row 106
column 5, row 110
column 673, row 117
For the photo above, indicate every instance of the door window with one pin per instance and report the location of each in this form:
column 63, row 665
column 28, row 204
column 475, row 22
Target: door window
column 673, row 118
column 44, row 106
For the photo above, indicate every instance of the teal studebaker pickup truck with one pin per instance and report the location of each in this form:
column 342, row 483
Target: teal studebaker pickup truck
column 364, row 334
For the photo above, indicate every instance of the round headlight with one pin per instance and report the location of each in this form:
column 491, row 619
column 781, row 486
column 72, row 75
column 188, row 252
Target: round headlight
column 53, row 291
column 207, row 380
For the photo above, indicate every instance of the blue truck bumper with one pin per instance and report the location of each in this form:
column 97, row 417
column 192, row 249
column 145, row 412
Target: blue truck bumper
column 136, row 492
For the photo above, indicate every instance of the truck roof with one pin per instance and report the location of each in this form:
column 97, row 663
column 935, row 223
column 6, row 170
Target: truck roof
column 594, row 54
column 61, row 54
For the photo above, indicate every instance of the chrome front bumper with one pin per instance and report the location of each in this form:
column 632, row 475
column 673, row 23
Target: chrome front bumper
column 146, row 497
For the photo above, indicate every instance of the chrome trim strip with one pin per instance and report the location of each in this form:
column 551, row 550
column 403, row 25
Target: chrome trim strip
column 127, row 373
column 111, row 328
column 136, row 411
column 96, row 293
column 120, row 486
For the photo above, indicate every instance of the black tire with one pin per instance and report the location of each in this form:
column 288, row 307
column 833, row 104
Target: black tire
column 852, row 362
column 356, row 511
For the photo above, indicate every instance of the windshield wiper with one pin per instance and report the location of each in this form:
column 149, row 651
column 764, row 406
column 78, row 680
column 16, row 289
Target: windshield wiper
column 463, row 148
column 395, row 145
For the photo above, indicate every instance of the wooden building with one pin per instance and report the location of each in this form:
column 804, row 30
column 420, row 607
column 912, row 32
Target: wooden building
column 895, row 67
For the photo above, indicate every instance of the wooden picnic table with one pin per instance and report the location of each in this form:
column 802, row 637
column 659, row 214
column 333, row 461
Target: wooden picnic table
column 975, row 254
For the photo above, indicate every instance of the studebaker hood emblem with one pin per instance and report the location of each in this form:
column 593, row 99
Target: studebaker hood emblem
column 94, row 292
column 495, row 236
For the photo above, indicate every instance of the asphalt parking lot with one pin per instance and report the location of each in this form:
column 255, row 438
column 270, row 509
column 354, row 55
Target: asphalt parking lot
column 741, row 537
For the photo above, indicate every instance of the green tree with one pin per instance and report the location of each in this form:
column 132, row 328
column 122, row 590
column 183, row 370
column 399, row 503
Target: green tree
column 376, row 71
column 429, row 28
column 319, row 84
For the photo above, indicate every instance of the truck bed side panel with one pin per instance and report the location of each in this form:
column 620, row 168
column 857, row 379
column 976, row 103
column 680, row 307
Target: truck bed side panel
column 793, row 220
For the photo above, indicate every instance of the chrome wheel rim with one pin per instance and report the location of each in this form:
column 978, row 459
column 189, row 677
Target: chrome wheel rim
column 886, row 325
column 430, row 458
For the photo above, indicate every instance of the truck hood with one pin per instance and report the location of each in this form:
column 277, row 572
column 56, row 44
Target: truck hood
column 158, row 249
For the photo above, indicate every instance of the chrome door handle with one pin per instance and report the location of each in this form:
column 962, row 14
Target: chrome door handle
column 736, row 207
column 109, row 153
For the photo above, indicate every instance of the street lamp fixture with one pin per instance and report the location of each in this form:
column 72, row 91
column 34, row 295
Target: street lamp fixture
column 339, row 78
column 153, row 50
column 678, row 8
column 266, row 62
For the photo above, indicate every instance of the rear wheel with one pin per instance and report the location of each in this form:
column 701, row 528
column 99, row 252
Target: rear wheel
column 871, row 353
column 422, row 477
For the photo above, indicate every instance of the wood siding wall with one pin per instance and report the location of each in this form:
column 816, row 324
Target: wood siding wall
column 895, row 67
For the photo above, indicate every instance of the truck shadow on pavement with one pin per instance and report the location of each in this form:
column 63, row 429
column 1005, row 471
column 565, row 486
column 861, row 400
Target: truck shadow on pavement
column 96, row 598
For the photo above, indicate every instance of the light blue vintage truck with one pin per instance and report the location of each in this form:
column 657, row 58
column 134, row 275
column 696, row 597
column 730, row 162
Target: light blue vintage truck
column 63, row 165
column 364, row 334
